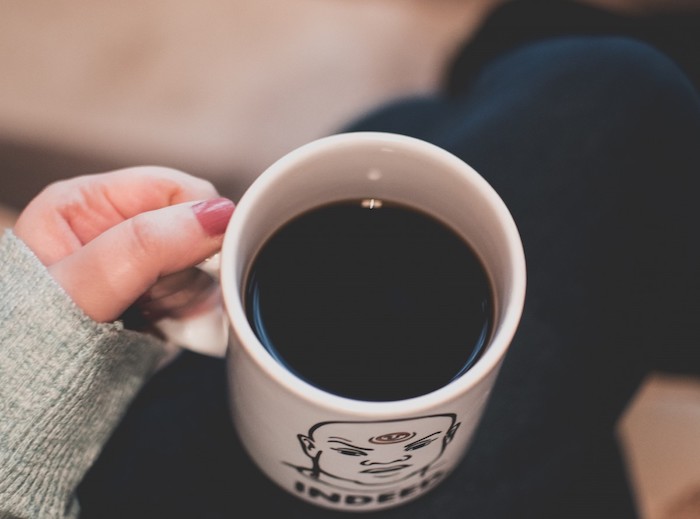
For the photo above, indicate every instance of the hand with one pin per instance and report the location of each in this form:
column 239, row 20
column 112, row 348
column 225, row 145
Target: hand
column 108, row 238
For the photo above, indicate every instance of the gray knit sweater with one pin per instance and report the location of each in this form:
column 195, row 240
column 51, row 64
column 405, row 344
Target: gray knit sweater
column 65, row 382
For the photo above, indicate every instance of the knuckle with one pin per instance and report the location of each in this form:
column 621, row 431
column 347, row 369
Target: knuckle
column 59, row 188
column 207, row 186
column 143, row 236
column 162, row 171
column 179, row 182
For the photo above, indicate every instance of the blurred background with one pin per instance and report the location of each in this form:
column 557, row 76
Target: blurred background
column 216, row 88
column 223, row 88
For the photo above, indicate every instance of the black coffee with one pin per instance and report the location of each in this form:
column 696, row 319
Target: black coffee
column 370, row 300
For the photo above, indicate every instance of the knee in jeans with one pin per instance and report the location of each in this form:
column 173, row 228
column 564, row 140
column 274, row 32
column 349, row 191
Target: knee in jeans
column 620, row 72
column 592, row 76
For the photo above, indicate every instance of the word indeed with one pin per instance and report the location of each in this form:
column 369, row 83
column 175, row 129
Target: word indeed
column 353, row 499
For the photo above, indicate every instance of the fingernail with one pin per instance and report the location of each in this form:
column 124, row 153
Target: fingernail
column 214, row 214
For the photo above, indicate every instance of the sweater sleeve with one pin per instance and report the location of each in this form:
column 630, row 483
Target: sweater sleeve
column 65, row 382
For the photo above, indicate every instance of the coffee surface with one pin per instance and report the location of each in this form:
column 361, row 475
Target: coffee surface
column 370, row 300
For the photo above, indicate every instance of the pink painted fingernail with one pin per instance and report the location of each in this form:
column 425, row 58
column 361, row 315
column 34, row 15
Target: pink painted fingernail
column 214, row 214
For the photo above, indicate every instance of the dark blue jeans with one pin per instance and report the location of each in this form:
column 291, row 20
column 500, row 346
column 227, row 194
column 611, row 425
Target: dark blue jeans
column 594, row 144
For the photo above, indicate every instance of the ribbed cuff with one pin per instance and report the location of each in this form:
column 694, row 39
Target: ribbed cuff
column 65, row 382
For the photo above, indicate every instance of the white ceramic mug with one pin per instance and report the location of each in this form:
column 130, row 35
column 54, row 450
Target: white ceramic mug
column 310, row 441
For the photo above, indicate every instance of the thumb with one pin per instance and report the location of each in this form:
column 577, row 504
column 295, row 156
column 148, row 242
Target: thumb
column 109, row 273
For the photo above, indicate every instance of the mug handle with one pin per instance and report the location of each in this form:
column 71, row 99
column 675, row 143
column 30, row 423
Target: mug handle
column 206, row 332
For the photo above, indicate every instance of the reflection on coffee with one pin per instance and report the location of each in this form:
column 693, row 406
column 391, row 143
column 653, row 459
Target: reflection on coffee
column 370, row 300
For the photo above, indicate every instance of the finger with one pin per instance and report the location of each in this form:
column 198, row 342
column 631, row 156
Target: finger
column 177, row 295
column 180, row 295
column 109, row 273
column 71, row 213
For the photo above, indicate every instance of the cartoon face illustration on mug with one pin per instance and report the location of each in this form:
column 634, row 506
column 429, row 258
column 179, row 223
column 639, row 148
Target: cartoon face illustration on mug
column 375, row 453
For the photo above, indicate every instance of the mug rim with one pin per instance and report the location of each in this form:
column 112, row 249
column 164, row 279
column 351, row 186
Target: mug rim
column 239, row 325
